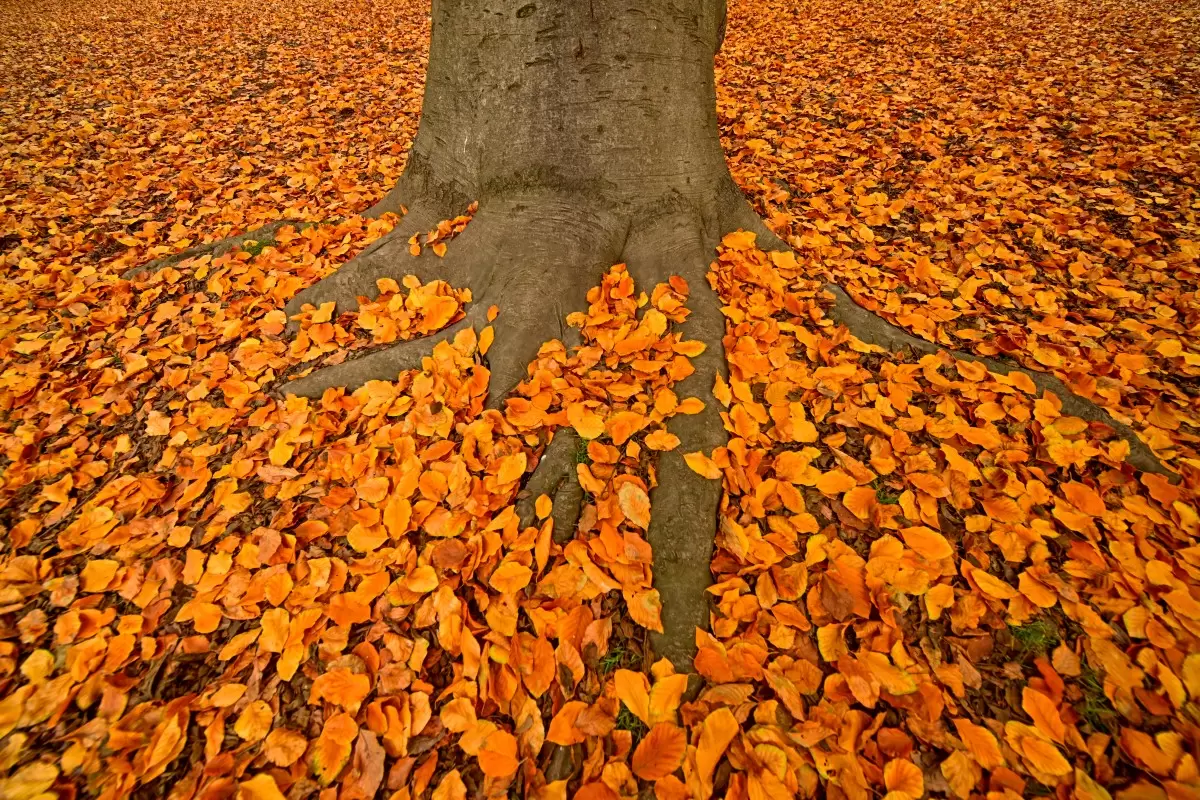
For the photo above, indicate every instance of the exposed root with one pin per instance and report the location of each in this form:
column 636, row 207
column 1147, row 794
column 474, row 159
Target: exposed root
column 873, row 329
column 387, row 256
column 736, row 214
column 381, row 365
column 533, row 260
column 557, row 478
column 264, row 235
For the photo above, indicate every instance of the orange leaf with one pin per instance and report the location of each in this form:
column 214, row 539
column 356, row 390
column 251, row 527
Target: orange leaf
column 961, row 772
column 938, row 599
column 716, row 732
column 1044, row 713
column 498, row 756
column 562, row 727
column 633, row 689
column 671, row 788
column 255, row 721
column 97, row 574
column 662, row 440
column 660, row 752
column 228, row 694
column 510, row 577
column 421, row 580
column 860, row 501
column 835, row 482
column 622, row 425
column 1145, row 751
column 331, row 750
column 665, row 697
column 284, row 746
column 989, row 584
column 373, row 490
column 981, row 744
column 458, row 715
column 586, row 423
column 260, row 787
column 901, row 775
column 596, row 790
column 1084, row 498
column 510, row 468
column 451, row 787
column 645, row 606
column 342, row 688
column 1044, row 756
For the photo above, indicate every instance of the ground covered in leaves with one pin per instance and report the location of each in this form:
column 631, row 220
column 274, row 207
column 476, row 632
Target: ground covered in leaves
column 929, row 580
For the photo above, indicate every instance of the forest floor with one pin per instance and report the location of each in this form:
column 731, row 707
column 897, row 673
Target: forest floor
column 929, row 579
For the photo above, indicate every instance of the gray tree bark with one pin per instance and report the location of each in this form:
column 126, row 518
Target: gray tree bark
column 587, row 132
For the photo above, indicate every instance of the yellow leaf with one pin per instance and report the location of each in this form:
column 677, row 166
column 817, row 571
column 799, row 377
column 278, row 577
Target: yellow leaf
column 702, row 465
column 633, row 689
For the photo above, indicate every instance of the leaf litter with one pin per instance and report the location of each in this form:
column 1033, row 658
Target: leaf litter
column 928, row 578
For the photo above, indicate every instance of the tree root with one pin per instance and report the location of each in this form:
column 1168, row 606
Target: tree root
column 380, row 365
column 535, row 259
column 556, row 477
column 264, row 236
column 873, row 329
column 683, row 504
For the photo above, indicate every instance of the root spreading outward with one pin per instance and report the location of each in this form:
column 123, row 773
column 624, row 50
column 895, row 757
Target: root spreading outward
column 528, row 265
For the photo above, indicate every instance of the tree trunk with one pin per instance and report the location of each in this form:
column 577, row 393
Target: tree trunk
column 610, row 101
column 587, row 132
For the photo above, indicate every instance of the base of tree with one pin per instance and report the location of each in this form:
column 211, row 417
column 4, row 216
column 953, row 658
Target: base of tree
column 535, row 257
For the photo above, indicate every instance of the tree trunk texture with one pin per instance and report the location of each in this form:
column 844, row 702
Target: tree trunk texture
column 587, row 132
